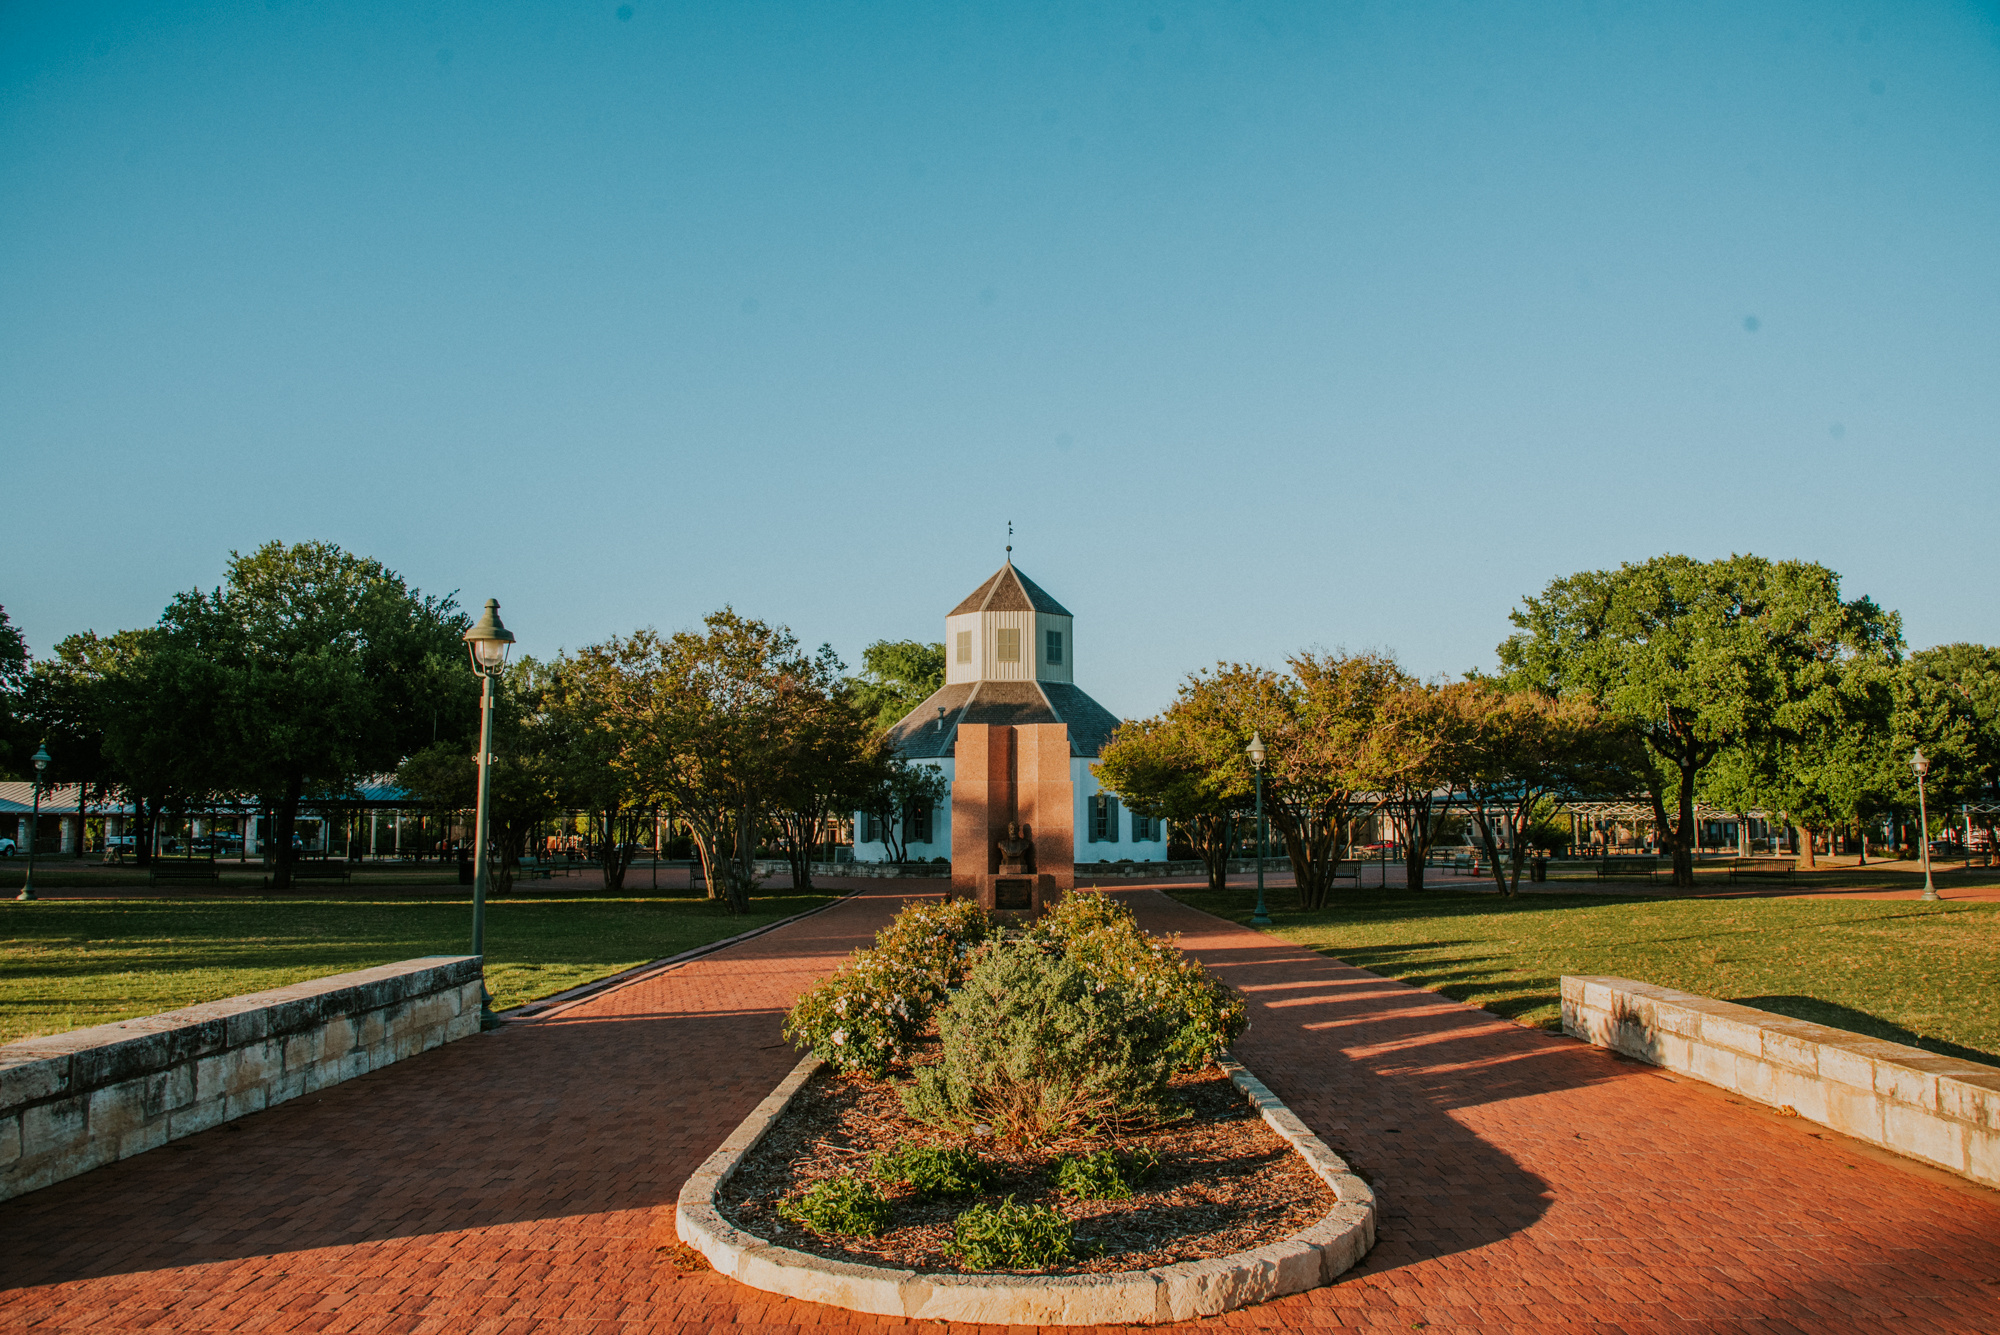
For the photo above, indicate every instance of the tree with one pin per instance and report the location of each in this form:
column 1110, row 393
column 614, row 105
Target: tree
column 1317, row 723
column 1697, row 657
column 16, row 729
column 1947, row 701
column 529, row 763
column 1411, row 764
column 126, row 712
column 1157, row 769
column 1509, row 752
column 698, row 722
column 898, row 789
column 318, row 668
column 827, row 758
column 896, row 677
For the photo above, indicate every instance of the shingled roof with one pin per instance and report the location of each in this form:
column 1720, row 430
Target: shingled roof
column 919, row 736
column 1009, row 591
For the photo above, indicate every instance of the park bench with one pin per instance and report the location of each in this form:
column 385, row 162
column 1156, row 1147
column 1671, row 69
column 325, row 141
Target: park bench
column 1626, row 867
column 530, row 869
column 1761, row 869
column 169, row 871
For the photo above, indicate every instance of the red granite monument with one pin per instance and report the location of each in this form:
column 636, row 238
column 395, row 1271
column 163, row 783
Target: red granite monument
column 1013, row 842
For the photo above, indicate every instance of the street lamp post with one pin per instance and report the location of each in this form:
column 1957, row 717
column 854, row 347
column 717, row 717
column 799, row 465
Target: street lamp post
column 487, row 644
column 1256, row 752
column 34, row 823
column 1922, row 765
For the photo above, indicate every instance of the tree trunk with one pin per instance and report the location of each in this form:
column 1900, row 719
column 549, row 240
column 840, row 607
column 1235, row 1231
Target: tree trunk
column 1494, row 866
column 616, row 856
column 1808, row 847
column 286, row 820
column 742, row 875
column 1861, row 841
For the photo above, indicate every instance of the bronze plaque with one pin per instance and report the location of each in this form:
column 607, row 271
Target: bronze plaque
column 1013, row 893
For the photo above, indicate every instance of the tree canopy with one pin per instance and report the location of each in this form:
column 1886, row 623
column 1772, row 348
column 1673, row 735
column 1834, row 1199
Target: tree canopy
column 1698, row 657
column 896, row 677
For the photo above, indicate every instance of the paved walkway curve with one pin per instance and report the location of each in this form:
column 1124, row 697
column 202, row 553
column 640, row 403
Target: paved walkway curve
column 524, row 1181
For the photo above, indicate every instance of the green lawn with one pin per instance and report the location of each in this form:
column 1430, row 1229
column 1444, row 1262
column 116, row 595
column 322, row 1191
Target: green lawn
column 1924, row 974
column 67, row 964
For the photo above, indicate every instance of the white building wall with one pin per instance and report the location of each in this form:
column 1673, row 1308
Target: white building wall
column 1085, row 786
column 955, row 671
column 1064, row 671
column 940, row 841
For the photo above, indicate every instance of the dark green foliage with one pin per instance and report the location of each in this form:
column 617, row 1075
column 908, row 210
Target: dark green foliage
column 1701, row 658
column 1009, row 1236
column 1103, row 1175
column 1035, row 1046
column 931, row 1170
column 846, row 1206
column 1100, row 936
column 896, row 676
column 16, row 732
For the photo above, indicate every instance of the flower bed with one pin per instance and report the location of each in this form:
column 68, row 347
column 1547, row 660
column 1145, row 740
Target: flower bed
column 1220, row 1181
column 1045, row 1118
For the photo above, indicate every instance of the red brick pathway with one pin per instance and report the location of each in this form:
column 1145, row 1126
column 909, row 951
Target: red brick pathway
column 524, row 1181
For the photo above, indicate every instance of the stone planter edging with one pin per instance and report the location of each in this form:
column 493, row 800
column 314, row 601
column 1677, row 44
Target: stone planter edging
column 1308, row 1259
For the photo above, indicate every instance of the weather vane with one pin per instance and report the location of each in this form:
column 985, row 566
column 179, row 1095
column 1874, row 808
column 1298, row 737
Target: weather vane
column 1010, row 533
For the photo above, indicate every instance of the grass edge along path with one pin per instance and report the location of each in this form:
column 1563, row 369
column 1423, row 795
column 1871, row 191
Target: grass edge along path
column 70, row 964
column 1923, row 974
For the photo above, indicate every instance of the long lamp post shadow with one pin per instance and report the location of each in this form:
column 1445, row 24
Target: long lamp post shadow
column 34, row 824
column 1922, row 765
column 1256, row 752
column 487, row 644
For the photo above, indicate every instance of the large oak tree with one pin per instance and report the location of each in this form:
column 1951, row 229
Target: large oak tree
column 1697, row 657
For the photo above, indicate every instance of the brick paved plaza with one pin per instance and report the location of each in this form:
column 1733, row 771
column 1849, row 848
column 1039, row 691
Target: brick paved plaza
column 525, row 1180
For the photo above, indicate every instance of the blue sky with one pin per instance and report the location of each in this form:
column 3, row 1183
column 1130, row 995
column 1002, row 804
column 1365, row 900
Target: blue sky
column 1267, row 325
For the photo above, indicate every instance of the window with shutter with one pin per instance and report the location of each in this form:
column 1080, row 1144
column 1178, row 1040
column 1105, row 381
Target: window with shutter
column 1111, row 820
column 965, row 646
column 1055, row 648
column 871, row 829
column 1007, row 646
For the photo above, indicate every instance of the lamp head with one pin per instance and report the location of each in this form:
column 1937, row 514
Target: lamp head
column 487, row 641
column 1920, row 762
column 42, row 758
column 1256, row 750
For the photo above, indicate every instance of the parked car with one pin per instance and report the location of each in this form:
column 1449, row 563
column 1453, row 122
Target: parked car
column 6, row 848
column 120, row 846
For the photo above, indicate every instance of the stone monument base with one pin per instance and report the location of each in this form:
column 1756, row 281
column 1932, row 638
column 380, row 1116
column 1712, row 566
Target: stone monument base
column 1011, row 895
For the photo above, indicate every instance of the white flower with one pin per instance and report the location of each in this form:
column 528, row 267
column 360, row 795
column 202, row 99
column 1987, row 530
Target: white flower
column 839, row 1037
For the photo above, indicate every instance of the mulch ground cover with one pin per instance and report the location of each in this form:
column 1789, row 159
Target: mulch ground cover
column 1226, row 1182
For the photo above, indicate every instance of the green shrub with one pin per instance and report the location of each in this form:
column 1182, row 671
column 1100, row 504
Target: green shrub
column 1008, row 1237
column 1034, row 1046
column 932, row 1171
column 849, row 1205
column 1101, row 1176
column 1102, row 938
column 866, row 1015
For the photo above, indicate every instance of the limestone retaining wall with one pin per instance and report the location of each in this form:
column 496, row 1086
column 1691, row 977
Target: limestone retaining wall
column 1938, row 1109
column 72, row 1102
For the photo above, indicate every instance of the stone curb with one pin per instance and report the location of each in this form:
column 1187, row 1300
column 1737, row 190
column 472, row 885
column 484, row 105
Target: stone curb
column 1308, row 1259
